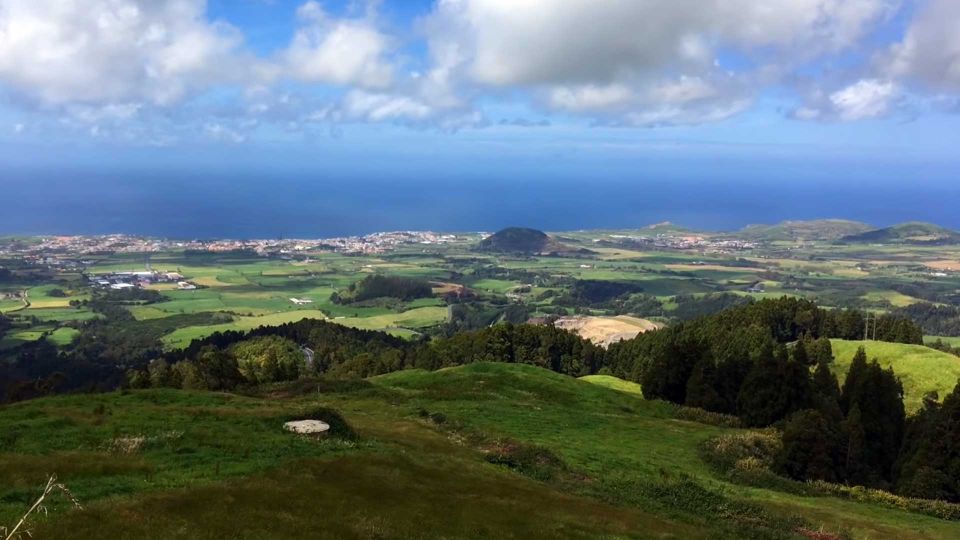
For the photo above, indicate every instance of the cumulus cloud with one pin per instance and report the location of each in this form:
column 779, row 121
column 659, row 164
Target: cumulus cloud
column 338, row 51
column 867, row 98
column 930, row 51
column 107, row 51
column 655, row 61
column 861, row 99
column 99, row 64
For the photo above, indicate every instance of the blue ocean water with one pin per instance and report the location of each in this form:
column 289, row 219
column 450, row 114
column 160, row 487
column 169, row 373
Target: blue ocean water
column 261, row 205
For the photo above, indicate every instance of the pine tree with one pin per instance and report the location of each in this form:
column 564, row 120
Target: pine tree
column 800, row 353
column 775, row 388
column 855, row 469
column 812, row 448
column 701, row 387
column 854, row 380
column 877, row 397
column 931, row 457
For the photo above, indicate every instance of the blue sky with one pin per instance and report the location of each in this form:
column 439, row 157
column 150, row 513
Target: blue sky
column 578, row 88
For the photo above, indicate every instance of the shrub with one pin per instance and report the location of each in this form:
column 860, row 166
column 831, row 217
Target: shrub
column 746, row 450
column 529, row 460
column 702, row 416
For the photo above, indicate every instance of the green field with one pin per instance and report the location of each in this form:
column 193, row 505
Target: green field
column 157, row 463
column 920, row 369
column 255, row 290
column 614, row 383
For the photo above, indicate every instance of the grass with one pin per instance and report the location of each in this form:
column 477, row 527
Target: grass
column 218, row 465
column 920, row 369
column 183, row 336
column 62, row 337
column 617, row 439
column 953, row 341
column 614, row 383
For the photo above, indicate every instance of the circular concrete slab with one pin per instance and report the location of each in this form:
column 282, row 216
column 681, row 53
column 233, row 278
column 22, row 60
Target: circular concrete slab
column 307, row 426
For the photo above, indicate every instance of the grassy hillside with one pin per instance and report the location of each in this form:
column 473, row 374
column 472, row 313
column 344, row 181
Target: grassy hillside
column 614, row 383
column 907, row 233
column 921, row 369
column 821, row 229
column 485, row 450
column 516, row 240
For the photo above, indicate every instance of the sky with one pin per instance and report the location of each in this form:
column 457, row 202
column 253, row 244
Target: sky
column 771, row 91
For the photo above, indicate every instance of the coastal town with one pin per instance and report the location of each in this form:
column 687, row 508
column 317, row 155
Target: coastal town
column 63, row 250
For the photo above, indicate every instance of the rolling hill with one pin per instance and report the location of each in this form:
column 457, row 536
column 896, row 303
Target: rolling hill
column 482, row 450
column 522, row 240
column 906, row 233
column 920, row 369
column 821, row 229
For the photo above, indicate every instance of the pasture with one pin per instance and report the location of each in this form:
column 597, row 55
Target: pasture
column 920, row 369
column 150, row 463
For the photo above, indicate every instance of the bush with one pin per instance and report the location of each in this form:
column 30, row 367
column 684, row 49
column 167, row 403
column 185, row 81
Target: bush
column 529, row 460
column 694, row 414
column 939, row 509
column 746, row 450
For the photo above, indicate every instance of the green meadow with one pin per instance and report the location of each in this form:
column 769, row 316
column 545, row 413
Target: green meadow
column 920, row 369
column 437, row 454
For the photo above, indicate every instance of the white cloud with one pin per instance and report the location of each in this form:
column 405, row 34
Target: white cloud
column 223, row 133
column 591, row 97
column 106, row 51
column 930, row 51
column 338, row 51
column 376, row 107
column 866, row 98
column 656, row 60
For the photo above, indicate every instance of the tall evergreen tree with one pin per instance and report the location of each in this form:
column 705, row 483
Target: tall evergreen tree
column 930, row 464
column 775, row 388
column 854, row 380
column 800, row 353
column 701, row 387
column 877, row 397
column 812, row 447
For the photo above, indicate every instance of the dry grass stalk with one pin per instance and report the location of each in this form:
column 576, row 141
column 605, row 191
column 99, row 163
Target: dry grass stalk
column 51, row 488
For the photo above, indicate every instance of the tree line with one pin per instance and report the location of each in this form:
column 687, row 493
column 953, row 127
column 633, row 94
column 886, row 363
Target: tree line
column 380, row 286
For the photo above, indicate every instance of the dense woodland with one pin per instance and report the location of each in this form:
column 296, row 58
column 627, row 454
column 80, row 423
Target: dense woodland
column 380, row 286
column 935, row 320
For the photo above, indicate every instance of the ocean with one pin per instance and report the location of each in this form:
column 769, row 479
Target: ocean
column 260, row 205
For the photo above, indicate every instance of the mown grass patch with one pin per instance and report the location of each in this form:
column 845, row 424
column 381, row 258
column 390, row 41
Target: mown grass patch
column 614, row 383
column 920, row 369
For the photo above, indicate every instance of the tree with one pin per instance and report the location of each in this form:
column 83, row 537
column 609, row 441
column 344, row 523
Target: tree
column 854, row 380
column 218, row 370
column 876, row 396
column 268, row 359
column 812, row 447
column 800, row 355
column 161, row 375
column 820, row 351
column 189, row 376
column 856, row 469
column 775, row 388
column 931, row 458
column 701, row 387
